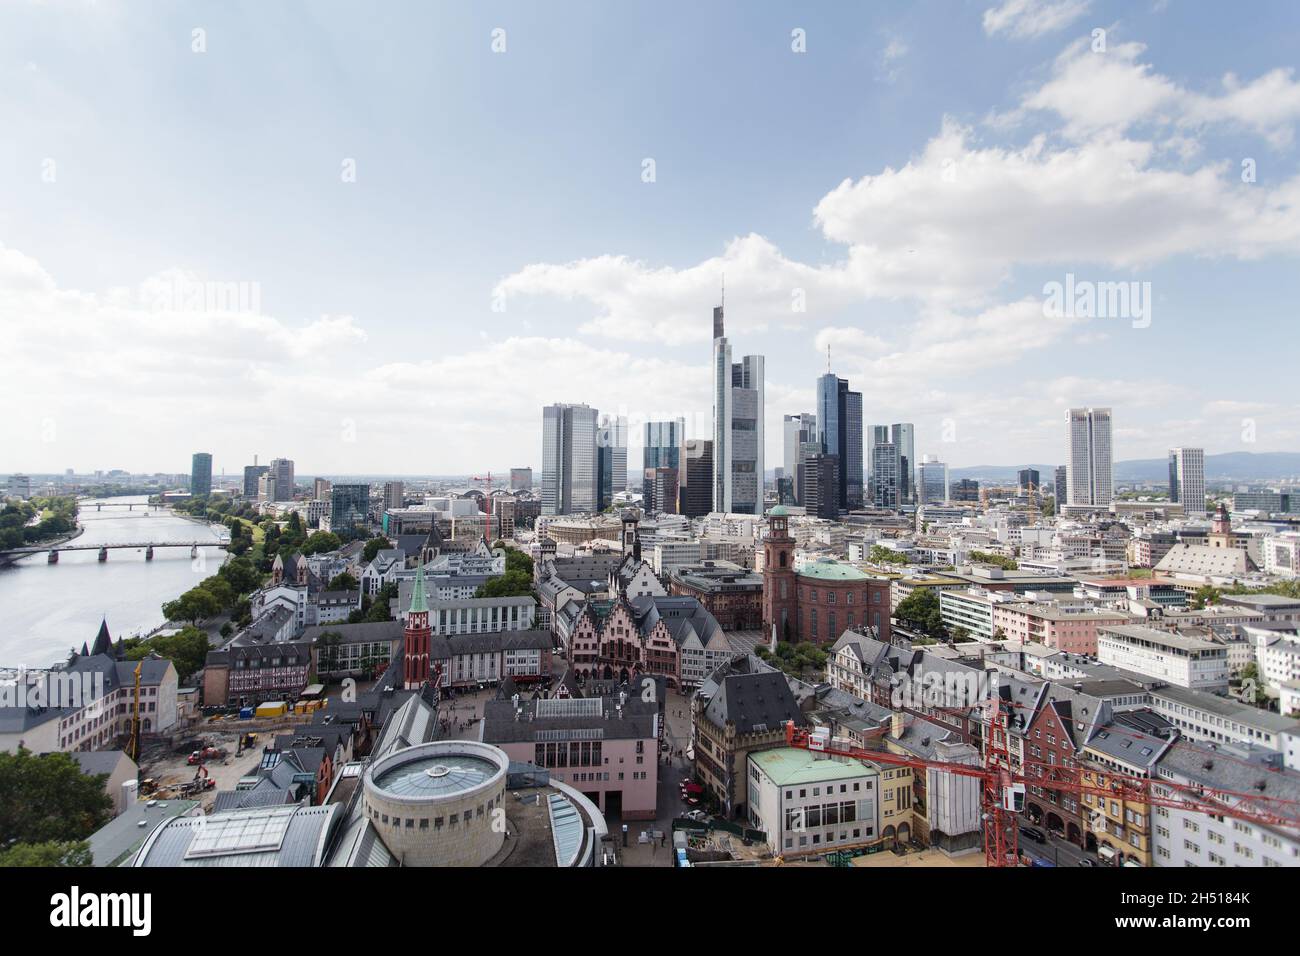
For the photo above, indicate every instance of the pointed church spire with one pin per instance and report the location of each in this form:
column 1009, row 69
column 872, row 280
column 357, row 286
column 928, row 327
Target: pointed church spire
column 103, row 642
column 418, row 600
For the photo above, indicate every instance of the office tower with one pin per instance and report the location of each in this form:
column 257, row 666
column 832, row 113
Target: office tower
column 349, row 507
column 570, row 466
column 394, row 496
column 904, row 437
column 737, row 427
column 521, row 479
column 320, row 489
column 663, row 444
column 251, row 475
column 965, row 490
column 1026, row 477
column 1089, row 474
column 822, row 485
column 659, row 490
column 1060, row 485
column 886, row 466
column 695, row 481
column 932, row 488
column 799, row 430
column 1187, row 479
column 282, row 469
column 266, row 487
column 201, row 474
column 613, row 432
column 839, row 430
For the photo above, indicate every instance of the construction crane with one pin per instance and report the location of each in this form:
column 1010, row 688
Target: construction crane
column 134, row 745
column 1003, row 790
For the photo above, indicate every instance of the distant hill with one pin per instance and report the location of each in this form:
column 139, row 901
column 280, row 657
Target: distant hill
column 1233, row 465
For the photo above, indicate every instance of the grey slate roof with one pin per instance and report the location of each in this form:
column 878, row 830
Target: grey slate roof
column 755, row 703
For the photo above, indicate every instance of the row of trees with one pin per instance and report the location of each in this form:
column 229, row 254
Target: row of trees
column 997, row 560
column 36, row 520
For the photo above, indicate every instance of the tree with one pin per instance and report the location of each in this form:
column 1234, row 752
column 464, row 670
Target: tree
column 516, row 560
column 997, row 560
column 187, row 649
column 242, row 575
column 319, row 542
column 879, row 554
column 1204, row 595
column 195, row 605
column 48, row 798
column 373, row 547
column 49, row 853
column 343, row 582
column 920, row 612
column 510, row 584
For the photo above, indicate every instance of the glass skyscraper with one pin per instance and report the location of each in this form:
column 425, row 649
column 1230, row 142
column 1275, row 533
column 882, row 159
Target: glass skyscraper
column 570, row 465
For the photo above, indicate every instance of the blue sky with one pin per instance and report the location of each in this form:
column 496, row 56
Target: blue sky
column 915, row 178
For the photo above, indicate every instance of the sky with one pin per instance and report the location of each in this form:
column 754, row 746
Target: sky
column 378, row 238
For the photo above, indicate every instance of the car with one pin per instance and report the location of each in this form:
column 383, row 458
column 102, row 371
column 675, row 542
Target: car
column 699, row 816
column 1033, row 833
column 1088, row 861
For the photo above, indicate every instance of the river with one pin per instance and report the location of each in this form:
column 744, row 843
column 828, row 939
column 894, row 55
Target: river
column 48, row 609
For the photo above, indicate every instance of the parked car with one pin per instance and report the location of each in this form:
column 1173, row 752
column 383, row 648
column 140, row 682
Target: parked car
column 1088, row 861
column 1033, row 833
column 699, row 816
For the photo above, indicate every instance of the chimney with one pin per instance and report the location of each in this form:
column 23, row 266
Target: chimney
column 896, row 724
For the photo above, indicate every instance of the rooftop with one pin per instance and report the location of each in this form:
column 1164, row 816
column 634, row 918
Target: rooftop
column 791, row 766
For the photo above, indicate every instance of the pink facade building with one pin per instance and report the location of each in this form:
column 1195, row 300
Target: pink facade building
column 605, row 747
column 1062, row 629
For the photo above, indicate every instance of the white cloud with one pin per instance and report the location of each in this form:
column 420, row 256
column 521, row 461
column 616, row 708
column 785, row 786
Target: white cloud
column 1113, row 91
column 1026, row 19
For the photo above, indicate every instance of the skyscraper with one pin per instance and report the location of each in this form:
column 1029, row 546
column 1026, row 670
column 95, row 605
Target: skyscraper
column 349, row 507
column 885, row 467
column 839, row 417
column 663, row 444
column 822, row 485
column 1187, row 479
column 282, row 470
column 892, row 465
column 570, row 466
column 798, row 430
column 251, row 474
column 201, row 474
column 932, row 488
column 695, row 482
column 1026, row 477
column 1089, row 473
column 394, row 493
column 738, row 473
column 1061, row 485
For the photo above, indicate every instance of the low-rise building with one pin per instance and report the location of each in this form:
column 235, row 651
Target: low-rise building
column 1190, row 662
column 810, row 803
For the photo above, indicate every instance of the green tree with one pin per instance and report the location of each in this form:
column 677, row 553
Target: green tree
column 510, row 584
column 919, row 611
column 242, row 575
column 997, row 560
column 50, row 853
column 373, row 547
column 1205, row 595
column 187, row 649
column 321, row 542
column 343, row 582
column 879, row 554
column 517, row 560
column 48, row 798
column 195, row 605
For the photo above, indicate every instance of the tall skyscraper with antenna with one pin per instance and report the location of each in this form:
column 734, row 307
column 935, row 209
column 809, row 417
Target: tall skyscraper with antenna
column 738, row 436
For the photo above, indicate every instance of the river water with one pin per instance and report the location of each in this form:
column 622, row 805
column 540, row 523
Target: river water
column 48, row 609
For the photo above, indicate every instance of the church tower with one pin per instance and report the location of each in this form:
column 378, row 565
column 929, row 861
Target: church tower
column 418, row 635
column 1221, row 535
column 780, row 596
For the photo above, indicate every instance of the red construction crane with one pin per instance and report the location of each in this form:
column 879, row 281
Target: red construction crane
column 1004, row 790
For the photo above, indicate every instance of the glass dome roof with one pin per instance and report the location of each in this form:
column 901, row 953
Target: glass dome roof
column 437, row 775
